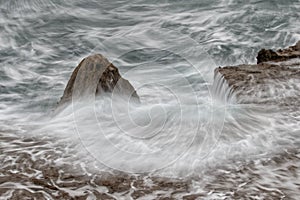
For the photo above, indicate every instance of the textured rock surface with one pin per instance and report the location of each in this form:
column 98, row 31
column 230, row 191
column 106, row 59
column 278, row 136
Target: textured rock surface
column 93, row 76
column 279, row 55
column 267, row 82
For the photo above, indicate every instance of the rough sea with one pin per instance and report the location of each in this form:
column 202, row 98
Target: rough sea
column 190, row 138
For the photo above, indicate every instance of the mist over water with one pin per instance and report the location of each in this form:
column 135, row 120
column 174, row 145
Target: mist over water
column 189, row 122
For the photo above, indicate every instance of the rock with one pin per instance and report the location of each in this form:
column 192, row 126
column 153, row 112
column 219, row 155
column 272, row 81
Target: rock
column 95, row 75
column 296, row 47
column 267, row 82
column 267, row 55
column 279, row 55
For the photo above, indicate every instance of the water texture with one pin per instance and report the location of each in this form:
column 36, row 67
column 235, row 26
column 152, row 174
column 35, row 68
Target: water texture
column 190, row 137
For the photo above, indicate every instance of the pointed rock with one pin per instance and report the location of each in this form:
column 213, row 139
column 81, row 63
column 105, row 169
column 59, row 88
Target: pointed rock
column 95, row 75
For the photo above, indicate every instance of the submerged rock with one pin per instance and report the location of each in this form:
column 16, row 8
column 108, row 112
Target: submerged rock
column 95, row 75
column 267, row 82
column 279, row 55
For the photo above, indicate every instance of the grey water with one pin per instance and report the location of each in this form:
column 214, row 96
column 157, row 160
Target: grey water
column 188, row 125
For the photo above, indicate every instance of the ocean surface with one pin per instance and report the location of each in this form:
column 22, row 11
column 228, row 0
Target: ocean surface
column 189, row 128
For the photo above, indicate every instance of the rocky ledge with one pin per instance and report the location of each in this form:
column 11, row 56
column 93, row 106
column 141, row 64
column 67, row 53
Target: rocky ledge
column 275, row 79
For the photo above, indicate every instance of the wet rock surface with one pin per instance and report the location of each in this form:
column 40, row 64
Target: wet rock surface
column 95, row 75
column 272, row 82
column 36, row 173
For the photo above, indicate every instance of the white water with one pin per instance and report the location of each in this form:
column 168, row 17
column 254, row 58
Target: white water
column 187, row 125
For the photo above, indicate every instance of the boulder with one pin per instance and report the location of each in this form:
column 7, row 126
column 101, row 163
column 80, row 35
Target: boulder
column 279, row 55
column 95, row 75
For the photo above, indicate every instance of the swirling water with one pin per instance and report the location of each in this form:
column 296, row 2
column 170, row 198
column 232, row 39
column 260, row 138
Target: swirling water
column 187, row 126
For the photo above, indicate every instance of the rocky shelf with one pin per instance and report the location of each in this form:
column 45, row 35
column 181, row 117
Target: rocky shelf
column 275, row 79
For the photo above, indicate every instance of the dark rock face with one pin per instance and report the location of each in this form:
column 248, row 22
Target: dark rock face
column 279, row 55
column 272, row 82
column 267, row 55
column 96, row 75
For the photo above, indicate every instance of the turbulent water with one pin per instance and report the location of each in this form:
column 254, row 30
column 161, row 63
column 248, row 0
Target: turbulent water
column 190, row 137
